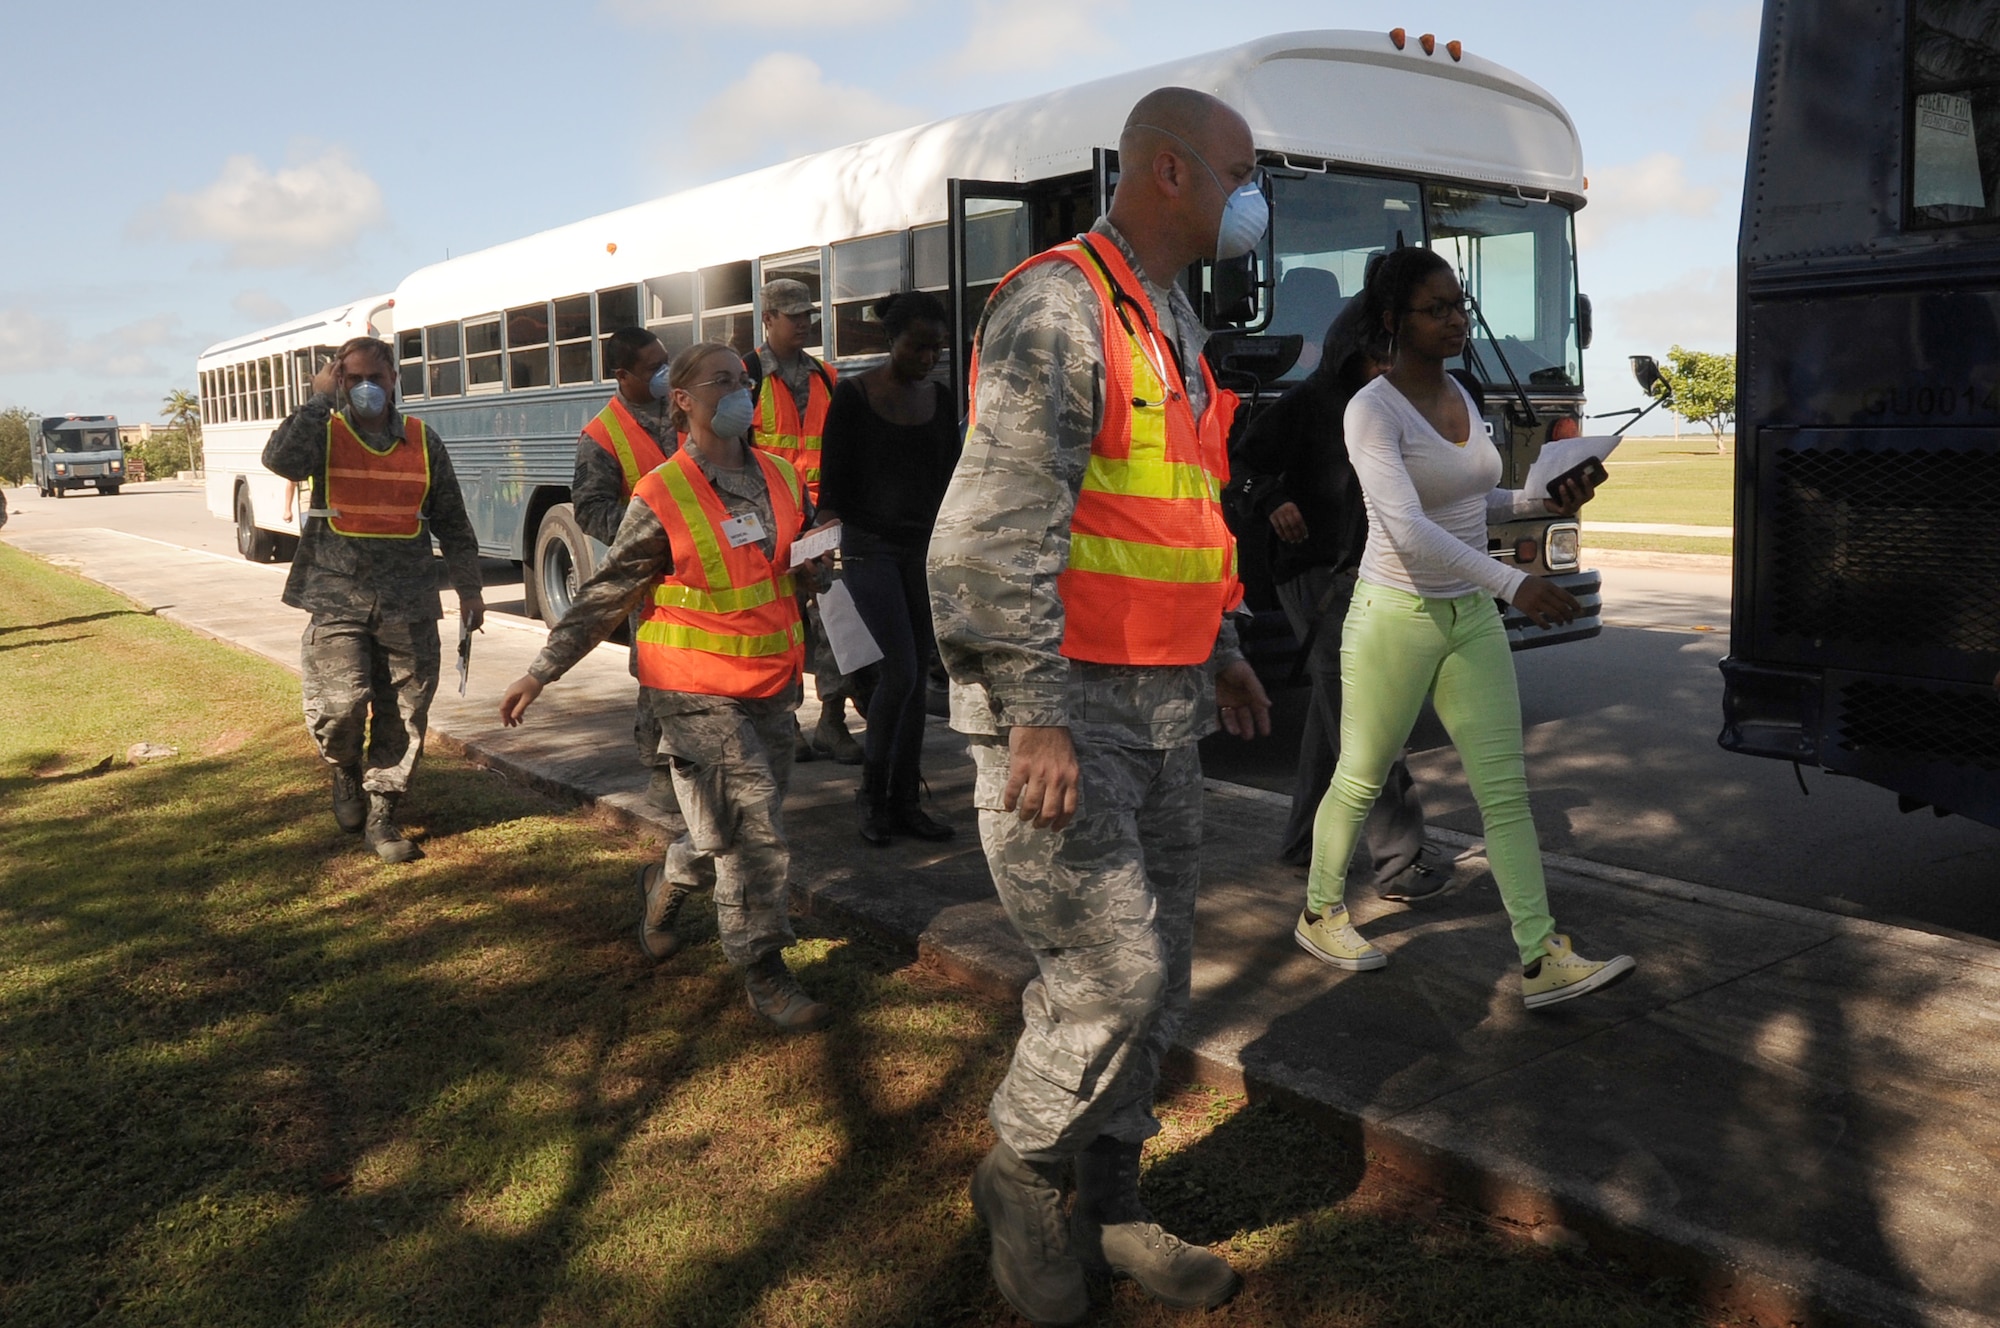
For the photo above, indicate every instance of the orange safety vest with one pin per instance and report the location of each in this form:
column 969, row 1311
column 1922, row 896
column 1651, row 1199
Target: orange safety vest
column 724, row 622
column 776, row 427
column 1152, row 566
column 618, row 432
column 376, row 495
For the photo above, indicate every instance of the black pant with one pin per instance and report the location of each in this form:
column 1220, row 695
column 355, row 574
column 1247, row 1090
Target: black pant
column 890, row 592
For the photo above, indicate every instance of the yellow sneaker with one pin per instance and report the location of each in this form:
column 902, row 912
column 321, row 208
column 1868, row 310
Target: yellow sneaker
column 1562, row 974
column 1333, row 940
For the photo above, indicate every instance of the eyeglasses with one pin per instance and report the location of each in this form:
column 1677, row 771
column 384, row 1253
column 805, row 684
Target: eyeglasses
column 729, row 381
column 1443, row 309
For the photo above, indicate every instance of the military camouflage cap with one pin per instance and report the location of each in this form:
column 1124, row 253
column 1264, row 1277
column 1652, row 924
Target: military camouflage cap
column 786, row 296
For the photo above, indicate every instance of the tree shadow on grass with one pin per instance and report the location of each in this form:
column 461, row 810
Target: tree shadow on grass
column 7, row 630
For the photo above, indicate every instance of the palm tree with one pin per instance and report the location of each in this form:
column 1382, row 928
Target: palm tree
column 183, row 411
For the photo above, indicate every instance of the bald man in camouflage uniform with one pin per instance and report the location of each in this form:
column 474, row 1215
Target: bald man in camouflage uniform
column 1106, row 902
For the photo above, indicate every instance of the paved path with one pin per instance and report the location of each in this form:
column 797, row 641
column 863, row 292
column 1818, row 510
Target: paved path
column 1658, row 528
column 1800, row 1112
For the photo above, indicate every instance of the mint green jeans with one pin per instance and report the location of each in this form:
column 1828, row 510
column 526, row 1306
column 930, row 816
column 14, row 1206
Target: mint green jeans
column 1396, row 649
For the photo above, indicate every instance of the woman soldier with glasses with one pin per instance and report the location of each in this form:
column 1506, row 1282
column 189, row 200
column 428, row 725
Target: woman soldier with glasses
column 707, row 541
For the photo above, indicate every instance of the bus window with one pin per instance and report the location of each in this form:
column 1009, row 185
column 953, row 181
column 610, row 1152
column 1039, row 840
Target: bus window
column 725, row 306
column 863, row 272
column 802, row 268
column 617, row 307
column 997, row 240
column 669, row 305
column 1954, row 118
column 410, row 351
column 265, row 402
column 482, row 355
column 528, row 346
column 1514, row 257
column 1327, row 228
column 930, row 257
column 441, row 347
column 573, row 357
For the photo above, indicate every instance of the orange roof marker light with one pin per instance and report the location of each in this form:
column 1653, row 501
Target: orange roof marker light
column 1457, row 49
column 1429, row 42
column 1398, row 36
column 611, row 248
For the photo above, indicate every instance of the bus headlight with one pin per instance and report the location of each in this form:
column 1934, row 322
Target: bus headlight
column 1565, row 546
column 117, row 466
column 61, row 469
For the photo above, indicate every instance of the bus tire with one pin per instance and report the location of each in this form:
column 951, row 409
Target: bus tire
column 108, row 490
column 253, row 542
column 563, row 561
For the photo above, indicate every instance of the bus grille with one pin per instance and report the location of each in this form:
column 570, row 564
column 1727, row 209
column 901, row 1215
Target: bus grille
column 1887, row 548
column 1878, row 718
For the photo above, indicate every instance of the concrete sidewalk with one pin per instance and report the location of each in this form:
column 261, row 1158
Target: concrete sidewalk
column 1797, row 1111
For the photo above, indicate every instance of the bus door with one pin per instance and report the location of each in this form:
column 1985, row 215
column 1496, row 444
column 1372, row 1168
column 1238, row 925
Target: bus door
column 998, row 224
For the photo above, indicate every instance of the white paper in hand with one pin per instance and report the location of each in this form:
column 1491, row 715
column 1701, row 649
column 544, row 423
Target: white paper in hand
column 853, row 644
column 1563, row 454
column 824, row 540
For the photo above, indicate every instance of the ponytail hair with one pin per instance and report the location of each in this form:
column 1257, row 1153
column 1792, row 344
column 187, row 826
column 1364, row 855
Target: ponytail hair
column 896, row 312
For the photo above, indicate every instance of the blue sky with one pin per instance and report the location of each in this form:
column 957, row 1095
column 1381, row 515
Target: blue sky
column 180, row 173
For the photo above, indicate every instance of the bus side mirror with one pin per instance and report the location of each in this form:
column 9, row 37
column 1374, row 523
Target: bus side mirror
column 1583, row 322
column 1233, row 287
column 1647, row 371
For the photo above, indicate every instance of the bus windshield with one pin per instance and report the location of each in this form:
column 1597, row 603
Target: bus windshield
column 82, row 440
column 1517, row 259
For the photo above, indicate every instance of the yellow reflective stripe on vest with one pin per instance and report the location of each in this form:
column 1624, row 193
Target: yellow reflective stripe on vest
column 714, row 570
column 745, row 647
column 628, row 461
column 1135, row 478
column 768, row 436
column 1146, row 562
column 673, row 595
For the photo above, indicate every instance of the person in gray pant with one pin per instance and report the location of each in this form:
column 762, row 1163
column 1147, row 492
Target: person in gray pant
column 1291, row 465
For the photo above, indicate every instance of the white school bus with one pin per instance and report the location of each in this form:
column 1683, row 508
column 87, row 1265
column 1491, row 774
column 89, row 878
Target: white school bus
column 1368, row 140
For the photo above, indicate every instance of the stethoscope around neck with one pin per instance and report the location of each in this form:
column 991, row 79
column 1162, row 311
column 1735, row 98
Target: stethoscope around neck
column 1120, row 298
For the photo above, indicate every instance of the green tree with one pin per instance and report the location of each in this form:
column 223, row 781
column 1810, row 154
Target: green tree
column 165, row 454
column 1703, row 384
column 14, row 443
column 183, row 411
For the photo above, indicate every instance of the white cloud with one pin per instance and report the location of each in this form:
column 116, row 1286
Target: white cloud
column 1015, row 35
column 260, row 306
column 1654, row 186
column 783, row 106
column 759, row 14
column 1696, row 310
column 30, row 343
column 310, row 211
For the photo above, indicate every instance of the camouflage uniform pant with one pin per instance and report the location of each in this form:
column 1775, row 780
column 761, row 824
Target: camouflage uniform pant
column 1107, row 907
column 368, row 690
column 731, row 763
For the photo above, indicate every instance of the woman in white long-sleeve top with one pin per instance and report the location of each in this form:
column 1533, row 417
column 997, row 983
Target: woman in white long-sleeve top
column 1424, row 623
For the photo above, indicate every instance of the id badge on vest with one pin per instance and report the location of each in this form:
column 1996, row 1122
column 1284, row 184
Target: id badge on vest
column 742, row 530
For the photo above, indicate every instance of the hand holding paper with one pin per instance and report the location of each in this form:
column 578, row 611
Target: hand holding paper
column 815, row 543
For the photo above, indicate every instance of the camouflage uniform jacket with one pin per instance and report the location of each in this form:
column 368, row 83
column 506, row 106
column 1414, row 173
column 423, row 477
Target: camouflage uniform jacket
column 392, row 580
column 1002, row 537
column 640, row 555
column 597, row 491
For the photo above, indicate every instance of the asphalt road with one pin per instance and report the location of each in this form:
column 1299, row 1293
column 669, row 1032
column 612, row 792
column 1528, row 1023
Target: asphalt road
column 1621, row 751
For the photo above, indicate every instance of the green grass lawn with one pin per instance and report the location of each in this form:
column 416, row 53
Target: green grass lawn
column 253, row 1076
column 1663, row 481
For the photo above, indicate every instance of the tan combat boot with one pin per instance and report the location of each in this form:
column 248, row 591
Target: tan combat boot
column 1112, row 1233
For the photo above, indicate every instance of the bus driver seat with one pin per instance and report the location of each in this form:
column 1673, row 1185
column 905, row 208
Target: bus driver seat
column 1308, row 298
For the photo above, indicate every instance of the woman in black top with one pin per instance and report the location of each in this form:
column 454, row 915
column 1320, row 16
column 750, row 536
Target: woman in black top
column 1292, row 461
column 887, row 454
